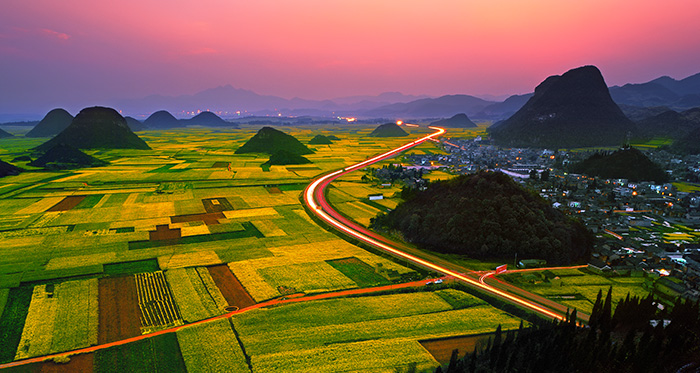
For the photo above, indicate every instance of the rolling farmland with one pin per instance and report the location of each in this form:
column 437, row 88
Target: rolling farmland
column 356, row 325
column 171, row 236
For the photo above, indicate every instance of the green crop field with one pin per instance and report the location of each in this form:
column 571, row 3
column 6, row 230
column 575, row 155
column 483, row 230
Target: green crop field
column 12, row 321
column 212, row 347
column 362, row 273
column 687, row 187
column 61, row 317
column 308, row 329
column 195, row 293
column 156, row 354
column 577, row 288
column 375, row 356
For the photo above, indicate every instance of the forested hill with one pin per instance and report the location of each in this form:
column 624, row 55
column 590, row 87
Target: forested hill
column 487, row 215
column 269, row 140
column 627, row 163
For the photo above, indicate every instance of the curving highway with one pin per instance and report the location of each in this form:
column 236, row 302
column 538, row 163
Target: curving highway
column 315, row 198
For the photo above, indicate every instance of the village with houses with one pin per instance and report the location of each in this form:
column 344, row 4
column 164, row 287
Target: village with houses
column 643, row 228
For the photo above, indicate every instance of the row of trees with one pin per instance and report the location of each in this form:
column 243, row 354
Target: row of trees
column 392, row 173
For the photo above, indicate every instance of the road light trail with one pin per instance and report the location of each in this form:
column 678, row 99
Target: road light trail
column 314, row 197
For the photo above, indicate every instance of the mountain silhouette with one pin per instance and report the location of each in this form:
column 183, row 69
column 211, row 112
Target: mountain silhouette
column 161, row 120
column 571, row 110
column 664, row 91
column 269, row 140
column 502, row 110
column 320, row 140
column 444, row 106
column 97, row 128
column 53, row 123
column 388, row 130
column 670, row 123
column 458, row 121
column 134, row 124
column 209, row 119
column 688, row 144
column 4, row 134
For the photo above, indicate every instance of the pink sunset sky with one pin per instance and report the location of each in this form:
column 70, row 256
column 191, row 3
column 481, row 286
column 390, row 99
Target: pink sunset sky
column 84, row 50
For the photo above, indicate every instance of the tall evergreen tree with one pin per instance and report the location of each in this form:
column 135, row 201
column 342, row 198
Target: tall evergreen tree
column 597, row 308
column 605, row 315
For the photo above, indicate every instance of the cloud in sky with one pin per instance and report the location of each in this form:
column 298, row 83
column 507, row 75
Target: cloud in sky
column 55, row 34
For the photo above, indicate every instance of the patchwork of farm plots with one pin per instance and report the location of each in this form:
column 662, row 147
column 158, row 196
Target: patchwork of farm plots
column 662, row 230
column 576, row 288
column 365, row 333
column 189, row 231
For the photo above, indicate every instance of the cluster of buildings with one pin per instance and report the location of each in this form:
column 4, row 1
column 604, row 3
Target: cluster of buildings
column 644, row 229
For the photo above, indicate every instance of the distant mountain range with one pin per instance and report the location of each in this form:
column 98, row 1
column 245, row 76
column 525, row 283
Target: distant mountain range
column 230, row 102
column 227, row 99
column 665, row 91
column 670, row 123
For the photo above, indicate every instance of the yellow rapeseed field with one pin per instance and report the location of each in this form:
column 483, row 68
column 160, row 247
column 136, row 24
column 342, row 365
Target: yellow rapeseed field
column 249, row 272
column 249, row 213
column 81, row 260
column 40, row 205
column 376, row 356
column 37, row 334
column 196, row 258
column 268, row 228
column 478, row 319
column 192, row 296
column 60, row 320
column 307, row 277
column 211, row 347
column 76, row 322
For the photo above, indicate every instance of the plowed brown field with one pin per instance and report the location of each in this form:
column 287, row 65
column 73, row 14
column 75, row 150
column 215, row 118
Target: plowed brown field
column 441, row 349
column 67, row 203
column 119, row 309
column 230, row 287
